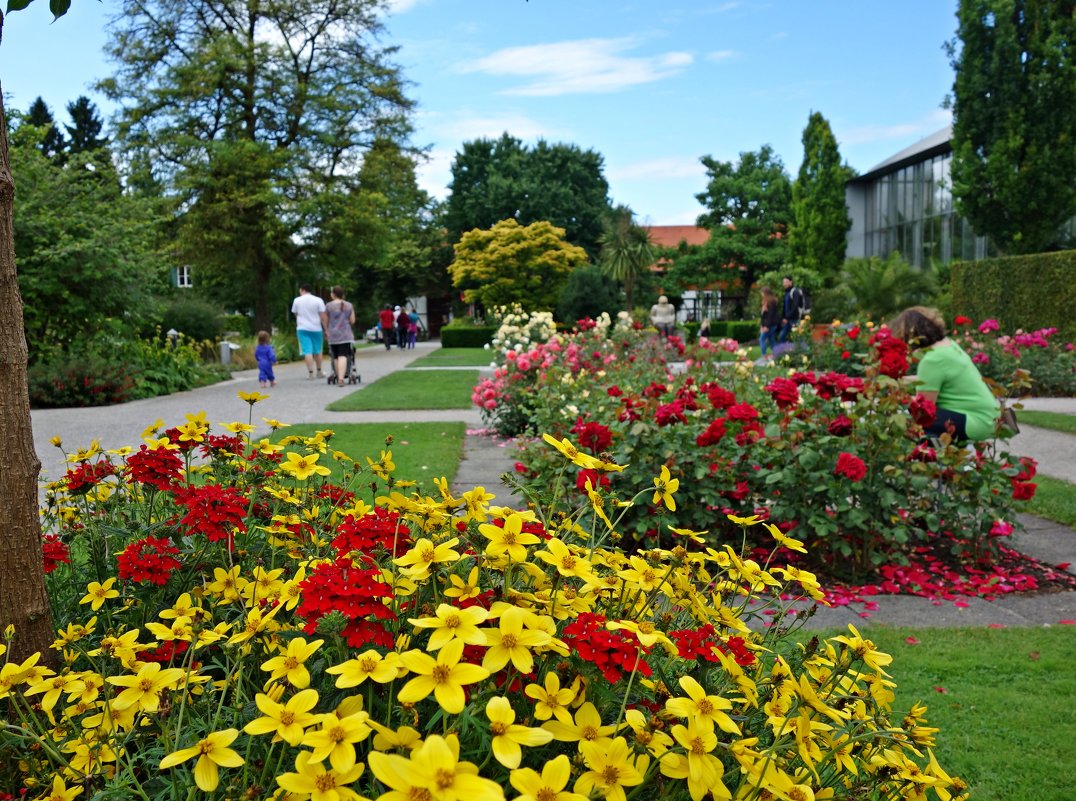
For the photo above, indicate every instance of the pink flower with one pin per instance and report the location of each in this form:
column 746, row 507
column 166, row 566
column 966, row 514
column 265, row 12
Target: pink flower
column 980, row 358
column 987, row 326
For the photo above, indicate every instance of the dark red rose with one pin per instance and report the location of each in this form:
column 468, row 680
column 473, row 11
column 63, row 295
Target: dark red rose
column 784, row 392
column 840, row 426
column 1023, row 491
column 851, row 467
column 923, row 410
column 713, row 433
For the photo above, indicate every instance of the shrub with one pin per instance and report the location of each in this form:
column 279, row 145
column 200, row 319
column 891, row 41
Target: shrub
column 264, row 633
column 588, row 292
column 75, row 380
column 196, row 319
column 462, row 335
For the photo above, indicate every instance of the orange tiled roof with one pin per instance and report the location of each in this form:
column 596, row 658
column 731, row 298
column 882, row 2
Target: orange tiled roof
column 669, row 236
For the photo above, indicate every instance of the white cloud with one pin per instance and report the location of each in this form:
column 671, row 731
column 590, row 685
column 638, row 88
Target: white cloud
column 491, row 126
column 578, row 67
column 721, row 55
column 435, row 172
column 662, row 168
column 925, row 125
column 400, row 6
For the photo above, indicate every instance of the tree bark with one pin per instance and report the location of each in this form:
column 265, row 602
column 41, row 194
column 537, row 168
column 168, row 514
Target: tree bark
column 24, row 600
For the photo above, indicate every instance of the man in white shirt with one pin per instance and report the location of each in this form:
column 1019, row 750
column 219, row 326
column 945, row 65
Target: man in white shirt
column 310, row 321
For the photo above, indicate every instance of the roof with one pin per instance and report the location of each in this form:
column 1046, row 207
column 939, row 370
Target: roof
column 934, row 145
column 670, row 236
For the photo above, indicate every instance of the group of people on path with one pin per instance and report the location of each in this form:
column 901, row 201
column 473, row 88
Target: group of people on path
column 779, row 317
column 399, row 327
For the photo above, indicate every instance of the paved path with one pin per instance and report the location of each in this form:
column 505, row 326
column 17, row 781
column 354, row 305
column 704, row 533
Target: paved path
column 486, row 458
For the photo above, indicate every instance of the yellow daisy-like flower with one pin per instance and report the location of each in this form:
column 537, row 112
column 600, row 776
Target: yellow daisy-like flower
column 508, row 736
column 383, row 466
column 369, row 665
column 865, row 650
column 551, row 699
column 585, row 727
column 402, row 739
column 444, row 677
column 451, row 623
column 97, row 594
column 464, row 590
column 784, row 539
column 433, row 770
column 302, row 467
column 60, row 792
column 238, row 428
column 416, row 563
column 291, row 665
column 687, row 533
column 751, row 520
column 335, row 738
column 287, row 721
column 567, row 562
column 511, row 539
column 143, row 690
column 549, row 786
column 274, row 424
column 213, row 753
column 611, row 769
column 476, row 504
column 703, row 709
column 251, row 397
column 313, row 780
column 573, row 454
column 664, row 487
column 511, row 642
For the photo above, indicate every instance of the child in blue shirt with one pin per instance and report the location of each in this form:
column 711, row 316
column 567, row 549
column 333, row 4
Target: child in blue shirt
column 266, row 357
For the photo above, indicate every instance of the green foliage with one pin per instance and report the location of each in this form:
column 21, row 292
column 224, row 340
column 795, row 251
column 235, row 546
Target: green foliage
column 258, row 146
column 493, row 180
column 84, row 132
column 882, row 287
column 1028, row 292
column 52, row 141
column 459, row 334
column 512, row 263
column 1014, row 120
column 588, row 292
column 626, row 251
column 749, row 211
column 745, row 331
column 817, row 238
column 194, row 318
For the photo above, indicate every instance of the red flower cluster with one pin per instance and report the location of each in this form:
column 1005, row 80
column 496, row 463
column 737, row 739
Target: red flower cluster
column 54, row 552
column 593, row 436
column 720, row 398
column 614, row 653
column 713, row 433
column 355, row 593
column 151, row 559
column 923, row 410
column 1023, row 488
column 892, row 354
column 701, row 643
column 670, row 413
column 379, row 530
column 784, row 391
column 221, row 444
column 86, row 475
column 851, row 467
column 212, row 510
column 655, row 390
column 158, row 467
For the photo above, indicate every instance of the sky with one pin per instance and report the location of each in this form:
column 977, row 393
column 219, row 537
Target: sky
column 651, row 85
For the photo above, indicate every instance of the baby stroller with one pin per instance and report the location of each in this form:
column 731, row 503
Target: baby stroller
column 351, row 373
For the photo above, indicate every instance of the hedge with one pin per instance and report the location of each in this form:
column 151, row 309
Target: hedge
column 740, row 330
column 468, row 336
column 1028, row 292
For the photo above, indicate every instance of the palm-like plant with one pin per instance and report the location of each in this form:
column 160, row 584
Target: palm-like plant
column 882, row 287
column 626, row 250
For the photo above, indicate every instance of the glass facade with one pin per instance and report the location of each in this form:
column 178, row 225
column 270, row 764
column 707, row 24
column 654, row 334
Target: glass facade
column 910, row 210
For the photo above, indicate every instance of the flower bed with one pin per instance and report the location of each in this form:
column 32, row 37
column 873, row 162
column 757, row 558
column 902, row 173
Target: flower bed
column 253, row 631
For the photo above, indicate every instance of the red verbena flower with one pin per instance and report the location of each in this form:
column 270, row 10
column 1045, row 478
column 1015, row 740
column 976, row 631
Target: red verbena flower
column 157, row 467
column 151, row 559
column 54, row 552
column 212, row 510
column 86, row 475
column 379, row 530
column 614, row 653
column 354, row 592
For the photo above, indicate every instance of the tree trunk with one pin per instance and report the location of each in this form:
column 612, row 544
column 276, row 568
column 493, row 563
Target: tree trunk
column 24, row 601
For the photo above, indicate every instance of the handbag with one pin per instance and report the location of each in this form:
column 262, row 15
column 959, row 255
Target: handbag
column 1007, row 420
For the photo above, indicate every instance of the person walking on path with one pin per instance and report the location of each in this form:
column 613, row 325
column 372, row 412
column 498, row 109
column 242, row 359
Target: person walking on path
column 310, row 322
column 386, row 319
column 792, row 308
column 770, row 322
column 403, row 322
column 341, row 316
column 265, row 355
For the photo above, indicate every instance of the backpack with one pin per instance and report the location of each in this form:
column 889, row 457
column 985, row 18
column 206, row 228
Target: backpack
column 804, row 301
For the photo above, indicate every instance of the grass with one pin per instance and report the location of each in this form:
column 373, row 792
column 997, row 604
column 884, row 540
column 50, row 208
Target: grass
column 421, row 451
column 448, row 389
column 1001, row 698
column 1055, row 421
column 1055, row 500
column 455, row 357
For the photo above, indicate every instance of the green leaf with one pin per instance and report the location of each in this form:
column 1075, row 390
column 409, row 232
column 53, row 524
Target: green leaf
column 808, row 459
column 59, row 7
column 17, row 5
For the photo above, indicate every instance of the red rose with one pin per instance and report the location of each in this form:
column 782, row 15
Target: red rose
column 851, row 467
column 713, row 433
column 614, row 391
column 1023, row 491
column 784, row 391
column 840, row 426
column 923, row 410
column 962, row 320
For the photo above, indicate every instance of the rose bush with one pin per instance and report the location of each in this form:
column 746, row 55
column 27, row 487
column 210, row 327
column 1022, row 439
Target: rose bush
column 270, row 634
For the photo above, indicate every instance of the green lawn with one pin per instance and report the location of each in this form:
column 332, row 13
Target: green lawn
column 455, row 357
column 1055, row 500
column 421, row 451
column 1002, row 699
column 428, row 389
column 1055, row 421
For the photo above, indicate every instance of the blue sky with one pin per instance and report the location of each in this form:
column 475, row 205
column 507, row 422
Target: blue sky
column 652, row 85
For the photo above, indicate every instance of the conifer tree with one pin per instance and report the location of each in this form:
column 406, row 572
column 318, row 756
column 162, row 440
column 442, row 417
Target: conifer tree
column 40, row 115
column 817, row 238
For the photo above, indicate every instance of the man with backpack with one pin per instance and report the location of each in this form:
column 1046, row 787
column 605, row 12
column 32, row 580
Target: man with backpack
column 795, row 306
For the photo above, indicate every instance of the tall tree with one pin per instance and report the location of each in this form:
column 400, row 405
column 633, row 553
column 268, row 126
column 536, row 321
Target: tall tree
column 494, row 180
column 749, row 210
column 817, row 238
column 626, row 251
column 52, row 143
column 513, row 263
column 257, row 116
column 1014, row 119
column 84, row 132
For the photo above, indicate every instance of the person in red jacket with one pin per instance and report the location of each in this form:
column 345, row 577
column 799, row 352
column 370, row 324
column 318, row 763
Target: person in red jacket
column 387, row 322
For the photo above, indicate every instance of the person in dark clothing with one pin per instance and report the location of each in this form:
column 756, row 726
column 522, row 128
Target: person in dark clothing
column 403, row 321
column 792, row 308
column 770, row 322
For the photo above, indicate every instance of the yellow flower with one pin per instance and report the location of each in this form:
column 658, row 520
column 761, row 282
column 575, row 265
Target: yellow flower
column 573, row 454
column 251, row 397
column 597, row 502
column 302, row 467
column 445, row 677
column 195, row 429
column 567, row 562
column 464, row 590
column 433, row 770
column 213, row 753
column 56, row 441
column 226, row 584
column 403, row 739
column 611, row 769
column 865, row 650
column 511, row 539
column 752, row 520
column 586, row 727
column 476, row 504
column 59, row 791
column 508, row 736
column 511, row 642
column 238, row 428
column 291, row 665
column 704, row 770
column 547, row 787
column 312, row 780
column 552, row 699
column 53, row 686
column 97, row 594
column 369, row 665
column 335, row 738
column 416, row 563
column 275, row 424
column 702, row 708
column 256, row 622
column 451, row 623
column 383, row 466
column 664, row 487
column 145, row 687
column 287, row 721
column 694, row 536
column 784, row 539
